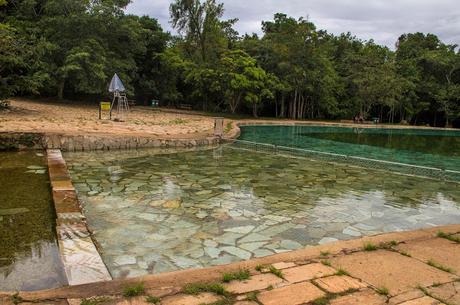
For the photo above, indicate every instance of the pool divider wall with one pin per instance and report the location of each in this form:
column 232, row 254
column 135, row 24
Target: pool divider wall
column 79, row 255
column 66, row 142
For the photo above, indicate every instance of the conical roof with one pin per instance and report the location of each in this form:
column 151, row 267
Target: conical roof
column 116, row 84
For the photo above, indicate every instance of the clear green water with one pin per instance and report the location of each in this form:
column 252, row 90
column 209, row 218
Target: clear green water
column 29, row 256
column 432, row 148
column 157, row 211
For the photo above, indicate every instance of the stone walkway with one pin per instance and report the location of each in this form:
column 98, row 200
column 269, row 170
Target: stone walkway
column 409, row 268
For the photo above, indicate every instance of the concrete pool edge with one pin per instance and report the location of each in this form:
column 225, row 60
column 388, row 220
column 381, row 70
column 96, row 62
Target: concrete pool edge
column 94, row 142
column 168, row 284
column 81, row 261
column 235, row 131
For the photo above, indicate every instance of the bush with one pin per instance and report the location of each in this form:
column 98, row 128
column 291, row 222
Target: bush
column 4, row 104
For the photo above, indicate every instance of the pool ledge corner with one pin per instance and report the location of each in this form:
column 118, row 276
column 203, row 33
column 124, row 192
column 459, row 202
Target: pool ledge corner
column 81, row 260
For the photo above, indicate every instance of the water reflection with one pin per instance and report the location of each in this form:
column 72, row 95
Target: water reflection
column 29, row 257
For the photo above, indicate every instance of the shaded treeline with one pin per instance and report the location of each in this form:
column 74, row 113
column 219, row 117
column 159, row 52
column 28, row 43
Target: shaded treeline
column 71, row 48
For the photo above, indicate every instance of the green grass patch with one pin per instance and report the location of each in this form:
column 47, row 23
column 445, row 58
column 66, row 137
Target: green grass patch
column 324, row 300
column 197, row 288
column 326, row 263
column 240, row 275
column 228, row 127
column 153, row 299
column 324, row 253
column 16, row 299
column 252, row 296
column 369, row 247
column 321, row 301
column 405, row 253
column 134, row 290
column 270, row 287
column 276, row 272
column 383, row 291
column 94, row 301
column 341, row 272
column 448, row 237
column 434, row 264
column 259, row 268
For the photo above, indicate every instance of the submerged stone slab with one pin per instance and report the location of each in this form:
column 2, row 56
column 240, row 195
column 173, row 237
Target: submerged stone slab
column 243, row 254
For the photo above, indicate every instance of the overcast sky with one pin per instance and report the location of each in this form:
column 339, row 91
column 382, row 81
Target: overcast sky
column 382, row 20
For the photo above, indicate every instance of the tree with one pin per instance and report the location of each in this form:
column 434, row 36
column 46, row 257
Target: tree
column 199, row 22
column 243, row 80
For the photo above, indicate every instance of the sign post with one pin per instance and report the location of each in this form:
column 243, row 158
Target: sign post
column 104, row 107
column 219, row 127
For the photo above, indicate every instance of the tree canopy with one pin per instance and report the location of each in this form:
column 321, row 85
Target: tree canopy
column 71, row 48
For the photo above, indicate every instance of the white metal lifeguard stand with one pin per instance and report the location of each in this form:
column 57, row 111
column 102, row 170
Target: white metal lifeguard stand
column 119, row 97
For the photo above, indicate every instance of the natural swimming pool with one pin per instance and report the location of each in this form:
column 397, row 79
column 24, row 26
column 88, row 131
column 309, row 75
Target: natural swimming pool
column 29, row 256
column 155, row 211
column 421, row 147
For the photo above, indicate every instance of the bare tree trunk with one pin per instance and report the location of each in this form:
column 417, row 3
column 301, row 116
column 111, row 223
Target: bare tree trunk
column 254, row 110
column 283, row 109
column 60, row 92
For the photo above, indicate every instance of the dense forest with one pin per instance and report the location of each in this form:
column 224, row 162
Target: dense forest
column 71, row 48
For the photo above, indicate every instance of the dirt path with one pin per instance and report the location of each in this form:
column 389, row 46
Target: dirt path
column 67, row 118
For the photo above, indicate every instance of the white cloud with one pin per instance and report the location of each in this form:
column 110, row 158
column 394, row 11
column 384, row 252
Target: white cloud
column 382, row 20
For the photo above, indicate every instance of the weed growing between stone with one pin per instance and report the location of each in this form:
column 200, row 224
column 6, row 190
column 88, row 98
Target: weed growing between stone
column 383, row 291
column 434, row 264
column 276, row 272
column 448, row 237
column 135, row 290
column 240, row 275
column 197, row 288
column 153, row 299
column 368, row 246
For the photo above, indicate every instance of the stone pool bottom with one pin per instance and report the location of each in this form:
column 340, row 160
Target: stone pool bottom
column 156, row 211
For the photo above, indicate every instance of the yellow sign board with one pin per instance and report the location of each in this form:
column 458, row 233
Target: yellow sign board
column 105, row 105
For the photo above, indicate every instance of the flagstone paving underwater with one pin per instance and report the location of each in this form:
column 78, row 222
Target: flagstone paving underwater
column 154, row 212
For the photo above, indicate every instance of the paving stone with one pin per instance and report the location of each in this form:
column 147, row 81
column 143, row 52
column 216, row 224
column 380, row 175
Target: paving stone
column 65, row 185
column 182, row 299
column 283, row 265
column 365, row 297
column 66, row 202
column 82, row 262
column 256, row 282
column 406, row 296
column 307, row 272
column 381, row 268
column 243, row 254
column 338, row 284
column 294, row 294
column 426, row 300
column 141, row 300
column 442, row 251
column 241, row 230
column 449, row 292
column 254, row 237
